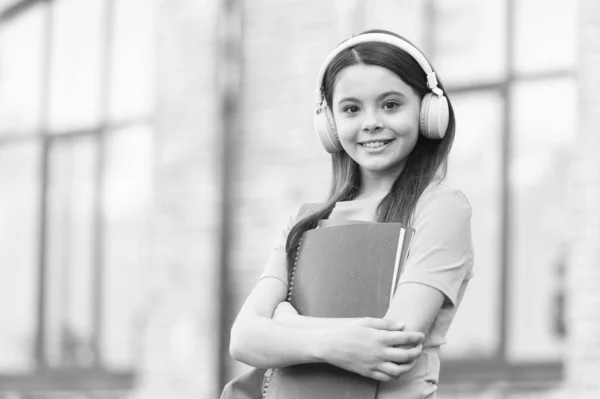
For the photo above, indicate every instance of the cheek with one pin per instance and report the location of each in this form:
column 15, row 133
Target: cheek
column 347, row 135
column 409, row 131
column 410, row 139
column 413, row 143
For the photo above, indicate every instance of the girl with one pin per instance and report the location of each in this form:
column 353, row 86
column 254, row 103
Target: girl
column 385, row 119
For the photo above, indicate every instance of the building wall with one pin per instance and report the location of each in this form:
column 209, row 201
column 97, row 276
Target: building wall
column 582, row 355
column 179, row 347
column 279, row 163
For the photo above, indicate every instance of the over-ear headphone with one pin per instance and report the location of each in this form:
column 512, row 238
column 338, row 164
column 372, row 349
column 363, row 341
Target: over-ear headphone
column 434, row 114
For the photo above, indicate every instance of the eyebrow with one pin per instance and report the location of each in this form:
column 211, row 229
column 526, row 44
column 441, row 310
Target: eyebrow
column 382, row 95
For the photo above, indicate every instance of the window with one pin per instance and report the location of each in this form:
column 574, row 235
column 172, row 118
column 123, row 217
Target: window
column 75, row 168
column 475, row 167
column 515, row 100
column 539, row 225
column 464, row 57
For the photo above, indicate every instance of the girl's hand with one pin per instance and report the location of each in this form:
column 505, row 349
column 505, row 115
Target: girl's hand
column 284, row 311
column 374, row 348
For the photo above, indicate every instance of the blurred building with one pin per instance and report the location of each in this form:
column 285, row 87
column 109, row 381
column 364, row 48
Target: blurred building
column 152, row 151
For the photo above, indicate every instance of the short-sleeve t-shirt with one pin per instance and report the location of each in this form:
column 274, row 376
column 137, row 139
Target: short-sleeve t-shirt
column 440, row 256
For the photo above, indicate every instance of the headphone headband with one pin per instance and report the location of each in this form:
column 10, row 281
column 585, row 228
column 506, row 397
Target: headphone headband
column 380, row 38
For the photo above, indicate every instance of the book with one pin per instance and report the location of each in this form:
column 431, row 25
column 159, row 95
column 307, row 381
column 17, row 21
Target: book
column 344, row 271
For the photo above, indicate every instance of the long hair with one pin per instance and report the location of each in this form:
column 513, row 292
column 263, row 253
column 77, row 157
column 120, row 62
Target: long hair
column 428, row 157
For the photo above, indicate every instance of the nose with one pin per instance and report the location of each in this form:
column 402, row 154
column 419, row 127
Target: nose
column 371, row 123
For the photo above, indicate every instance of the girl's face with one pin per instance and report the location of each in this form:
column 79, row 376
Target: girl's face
column 377, row 118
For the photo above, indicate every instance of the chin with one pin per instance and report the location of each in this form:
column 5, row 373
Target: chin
column 380, row 168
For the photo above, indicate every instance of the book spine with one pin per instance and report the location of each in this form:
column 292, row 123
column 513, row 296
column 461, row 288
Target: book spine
column 267, row 382
column 293, row 272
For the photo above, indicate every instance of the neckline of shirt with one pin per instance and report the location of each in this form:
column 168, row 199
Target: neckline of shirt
column 359, row 201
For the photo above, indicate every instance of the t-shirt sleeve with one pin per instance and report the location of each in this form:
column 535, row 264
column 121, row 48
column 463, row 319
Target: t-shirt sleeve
column 441, row 250
column 277, row 265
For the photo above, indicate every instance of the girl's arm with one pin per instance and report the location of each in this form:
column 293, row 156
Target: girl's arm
column 260, row 341
column 417, row 305
column 287, row 314
column 369, row 347
column 414, row 305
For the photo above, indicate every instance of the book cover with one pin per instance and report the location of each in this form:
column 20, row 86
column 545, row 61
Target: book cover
column 344, row 271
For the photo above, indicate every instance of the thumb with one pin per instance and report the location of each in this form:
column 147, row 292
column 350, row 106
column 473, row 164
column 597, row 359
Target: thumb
column 393, row 325
column 384, row 324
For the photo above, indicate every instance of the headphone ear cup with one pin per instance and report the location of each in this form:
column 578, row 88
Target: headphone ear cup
column 327, row 131
column 424, row 115
column 434, row 116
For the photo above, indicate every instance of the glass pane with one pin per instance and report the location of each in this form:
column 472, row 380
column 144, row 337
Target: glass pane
column 19, row 251
column 543, row 140
column 475, row 167
column 21, row 69
column 70, row 241
column 469, row 41
column 132, row 86
column 76, row 64
column 402, row 16
column 545, row 35
column 127, row 200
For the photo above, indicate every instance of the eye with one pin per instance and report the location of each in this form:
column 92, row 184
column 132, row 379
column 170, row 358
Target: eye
column 351, row 109
column 390, row 105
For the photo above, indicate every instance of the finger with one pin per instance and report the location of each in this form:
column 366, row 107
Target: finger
column 408, row 366
column 380, row 376
column 383, row 324
column 402, row 338
column 394, row 370
column 290, row 308
column 398, row 355
column 393, row 325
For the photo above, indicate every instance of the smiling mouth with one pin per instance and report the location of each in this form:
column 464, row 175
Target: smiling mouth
column 375, row 144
